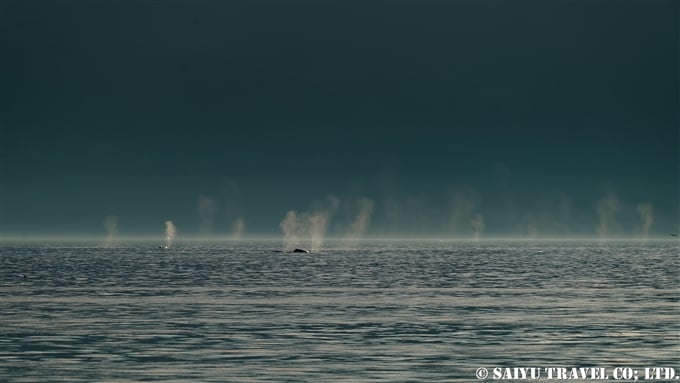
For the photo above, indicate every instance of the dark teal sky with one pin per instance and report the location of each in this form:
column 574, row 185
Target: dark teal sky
column 546, row 118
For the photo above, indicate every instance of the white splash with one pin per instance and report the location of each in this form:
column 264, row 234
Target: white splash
column 170, row 233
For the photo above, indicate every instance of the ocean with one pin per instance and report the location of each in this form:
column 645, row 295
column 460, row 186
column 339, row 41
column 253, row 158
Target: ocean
column 380, row 311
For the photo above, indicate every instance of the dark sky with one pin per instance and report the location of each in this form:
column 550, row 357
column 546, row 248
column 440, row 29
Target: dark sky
column 545, row 118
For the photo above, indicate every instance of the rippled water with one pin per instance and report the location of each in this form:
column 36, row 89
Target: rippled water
column 394, row 311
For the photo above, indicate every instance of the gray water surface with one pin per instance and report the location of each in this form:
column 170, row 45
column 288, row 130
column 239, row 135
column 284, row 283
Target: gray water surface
column 381, row 312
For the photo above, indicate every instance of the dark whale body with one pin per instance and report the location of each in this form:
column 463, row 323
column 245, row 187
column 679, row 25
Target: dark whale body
column 292, row 251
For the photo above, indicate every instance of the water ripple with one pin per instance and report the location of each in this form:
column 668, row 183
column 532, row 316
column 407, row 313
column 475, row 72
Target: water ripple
column 378, row 313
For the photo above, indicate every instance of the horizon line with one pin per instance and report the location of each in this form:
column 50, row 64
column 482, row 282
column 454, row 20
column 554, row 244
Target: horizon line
column 434, row 238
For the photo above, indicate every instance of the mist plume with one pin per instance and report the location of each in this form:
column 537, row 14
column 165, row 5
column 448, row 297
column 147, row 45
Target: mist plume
column 607, row 208
column 237, row 228
column 463, row 204
column 207, row 208
column 170, row 233
column 291, row 230
column 317, row 229
column 477, row 223
column 111, row 226
column 407, row 214
column 532, row 225
column 311, row 225
column 362, row 220
column 646, row 211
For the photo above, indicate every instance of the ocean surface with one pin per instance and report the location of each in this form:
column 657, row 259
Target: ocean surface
column 400, row 311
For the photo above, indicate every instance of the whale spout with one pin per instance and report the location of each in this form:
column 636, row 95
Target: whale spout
column 291, row 251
